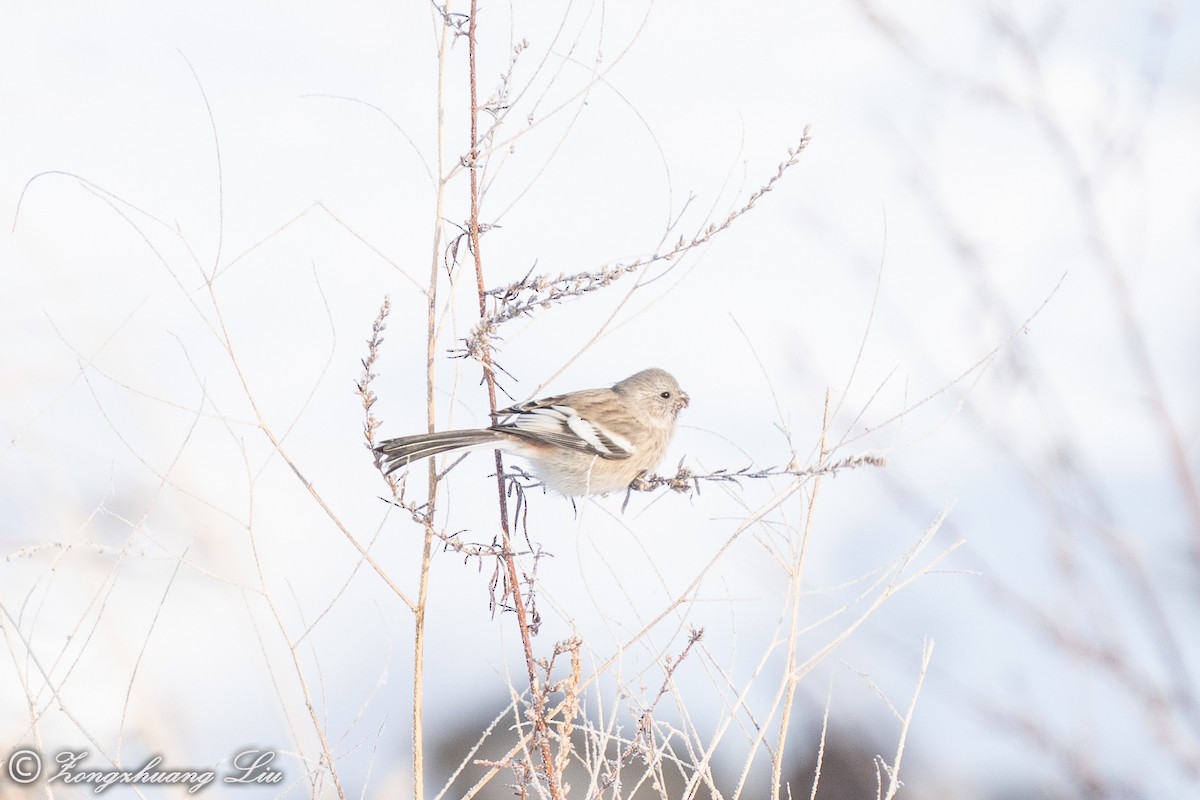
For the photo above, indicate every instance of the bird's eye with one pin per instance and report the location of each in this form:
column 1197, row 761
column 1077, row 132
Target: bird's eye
column 665, row 395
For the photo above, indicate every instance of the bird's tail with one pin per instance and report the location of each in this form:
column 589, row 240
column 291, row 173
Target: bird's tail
column 406, row 449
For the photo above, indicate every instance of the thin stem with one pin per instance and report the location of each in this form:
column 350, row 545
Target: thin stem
column 791, row 678
column 418, row 699
column 510, row 563
column 894, row 771
column 277, row 445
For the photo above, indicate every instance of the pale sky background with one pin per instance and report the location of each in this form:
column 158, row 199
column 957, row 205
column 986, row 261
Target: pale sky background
column 1000, row 203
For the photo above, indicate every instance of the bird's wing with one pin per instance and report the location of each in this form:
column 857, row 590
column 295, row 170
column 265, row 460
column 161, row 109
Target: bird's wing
column 552, row 423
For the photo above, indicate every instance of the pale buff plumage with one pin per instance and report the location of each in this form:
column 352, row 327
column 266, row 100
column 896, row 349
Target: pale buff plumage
column 588, row 442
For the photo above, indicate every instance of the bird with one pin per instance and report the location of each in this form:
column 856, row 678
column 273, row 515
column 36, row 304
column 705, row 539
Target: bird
column 589, row 442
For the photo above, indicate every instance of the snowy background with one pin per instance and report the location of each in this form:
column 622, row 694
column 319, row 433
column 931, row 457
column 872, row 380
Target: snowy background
column 987, row 254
